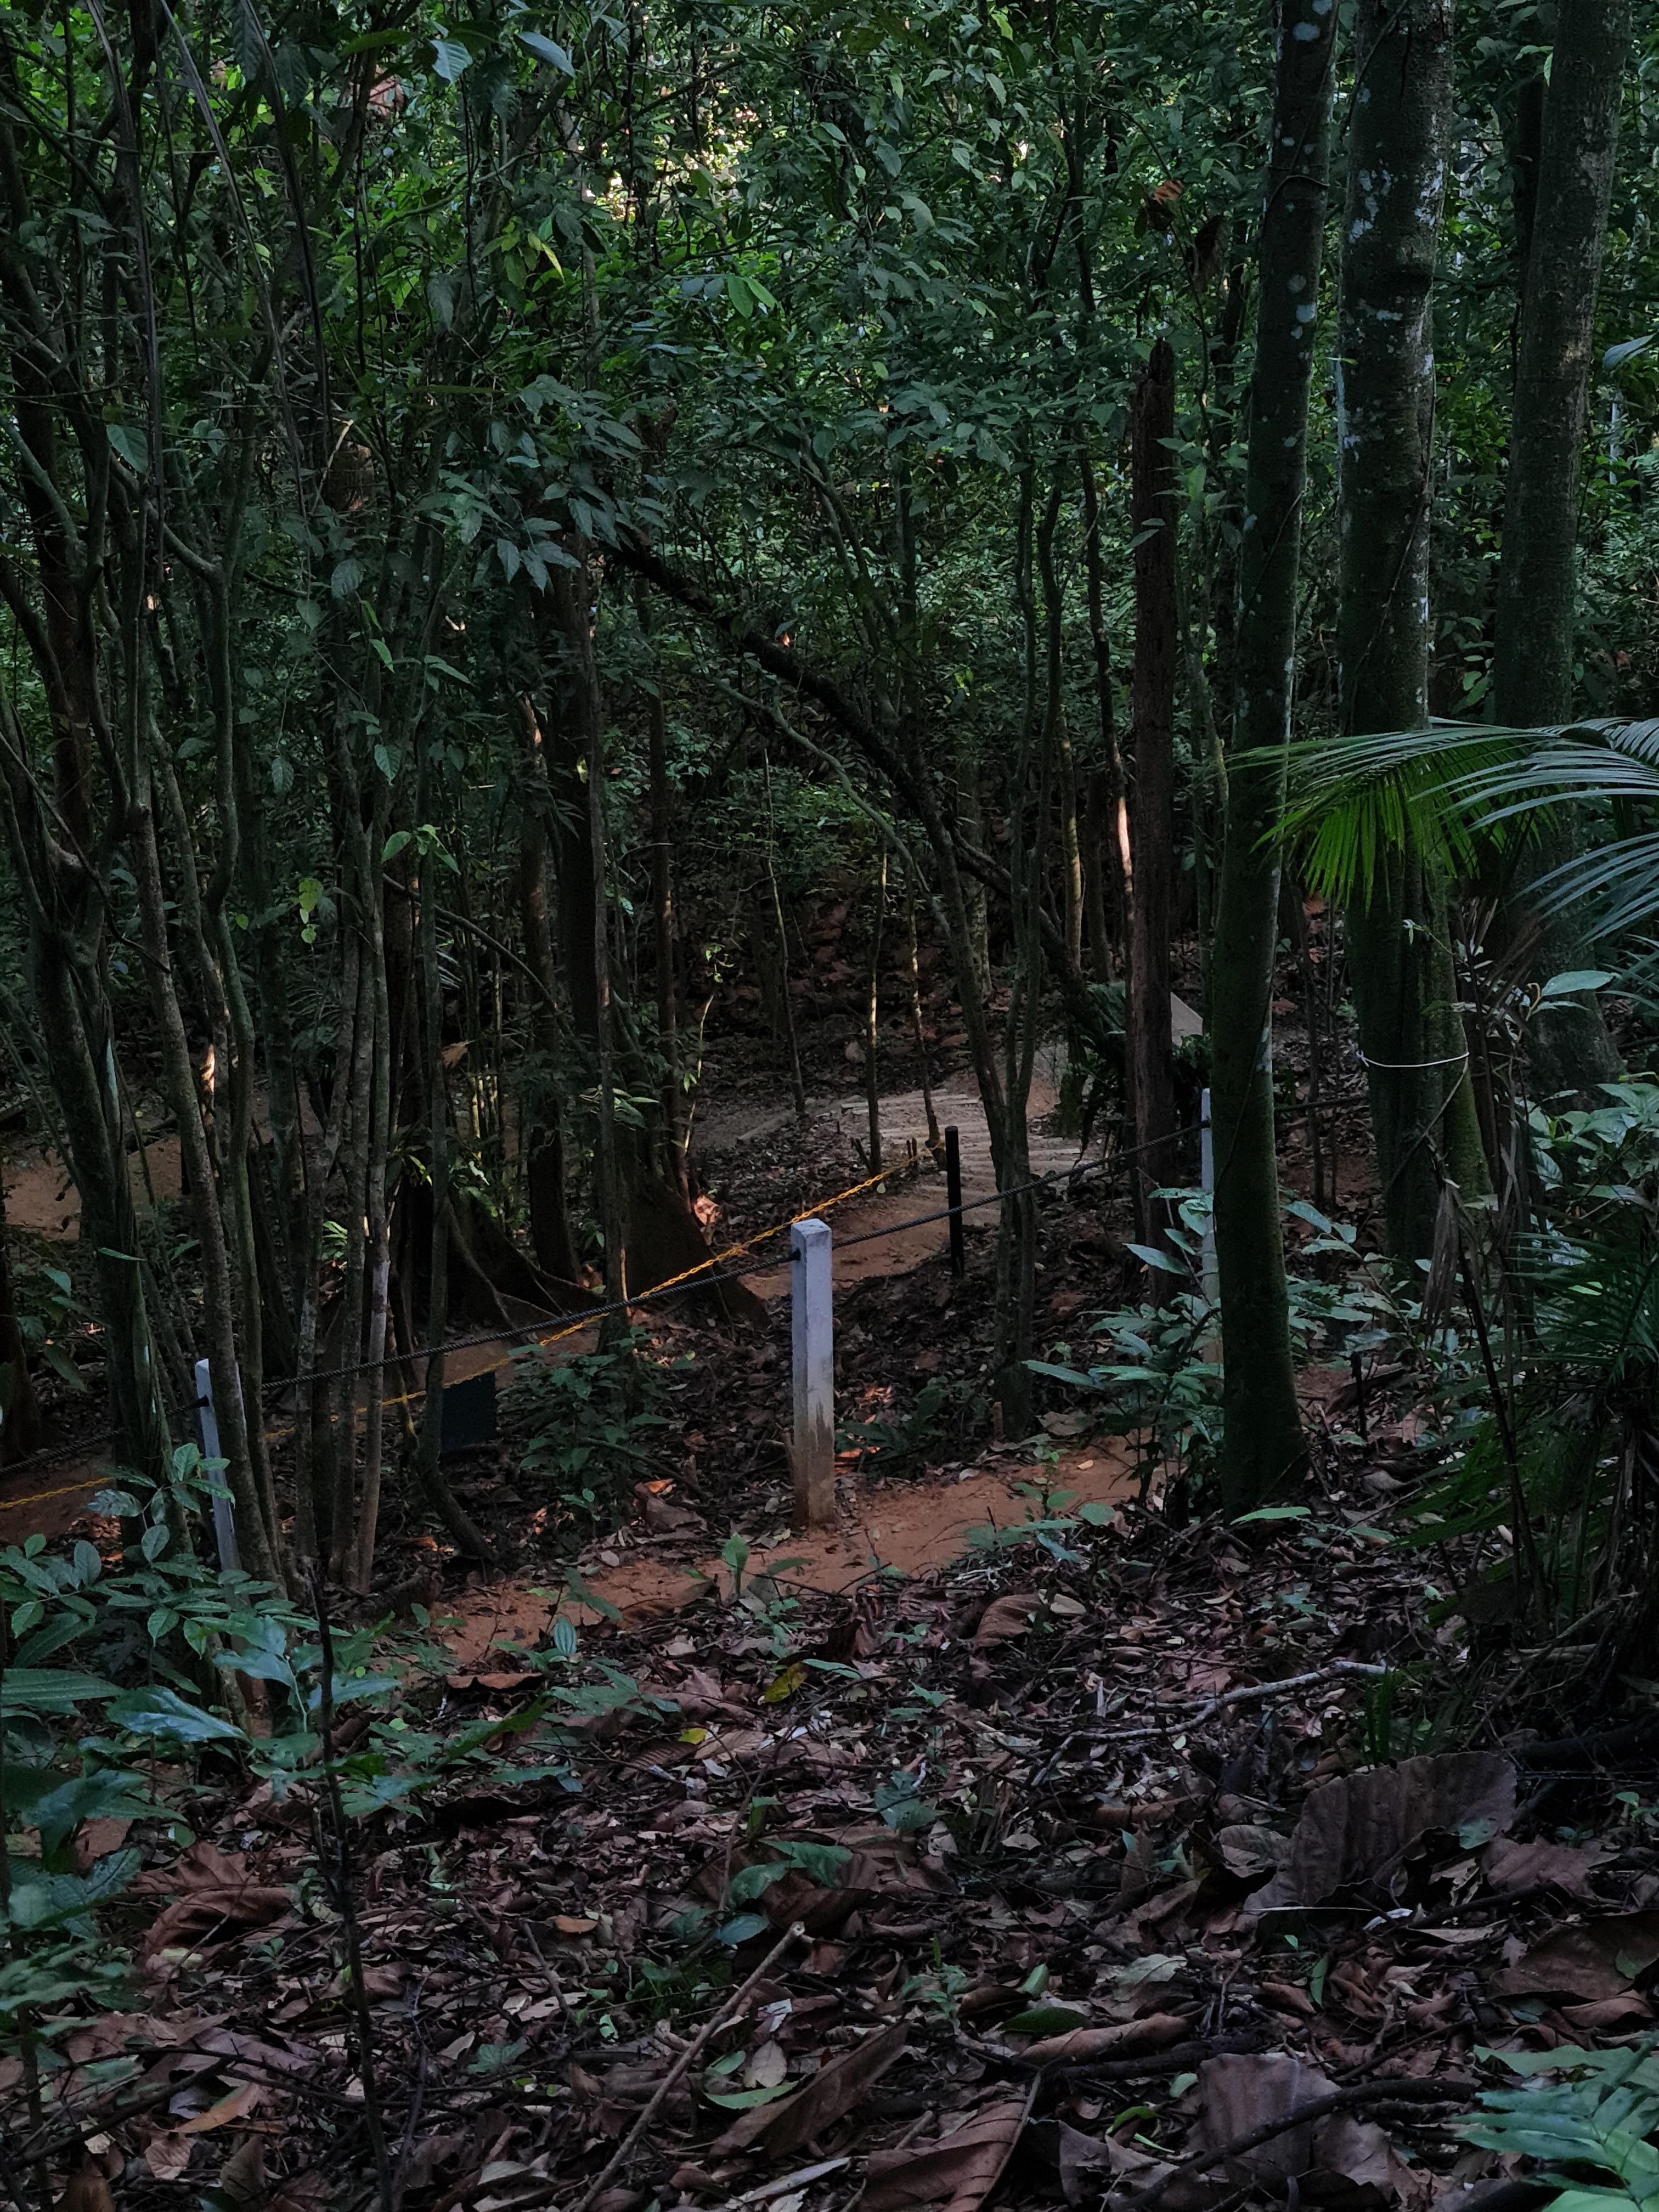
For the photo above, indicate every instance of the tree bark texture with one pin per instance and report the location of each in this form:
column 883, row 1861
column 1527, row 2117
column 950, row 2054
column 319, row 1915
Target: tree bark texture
column 1400, row 953
column 1532, row 642
column 1154, row 512
column 1263, row 1446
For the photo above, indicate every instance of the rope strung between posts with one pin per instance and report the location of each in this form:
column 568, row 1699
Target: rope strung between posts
column 698, row 1276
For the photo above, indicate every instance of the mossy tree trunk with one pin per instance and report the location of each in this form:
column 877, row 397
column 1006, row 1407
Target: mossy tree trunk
column 1263, row 1447
column 1154, row 512
column 1400, row 952
column 1532, row 641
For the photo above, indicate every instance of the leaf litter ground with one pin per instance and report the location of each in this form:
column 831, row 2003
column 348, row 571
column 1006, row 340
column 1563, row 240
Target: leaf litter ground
column 1051, row 1874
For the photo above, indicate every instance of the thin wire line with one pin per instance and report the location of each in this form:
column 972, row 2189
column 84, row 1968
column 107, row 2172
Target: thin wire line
column 1411, row 1067
column 694, row 1278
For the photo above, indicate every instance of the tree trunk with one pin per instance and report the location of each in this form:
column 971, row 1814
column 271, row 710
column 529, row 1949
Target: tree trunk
column 1014, row 1321
column 662, row 924
column 543, row 1140
column 256, row 1542
column 1399, row 954
column 872, row 1010
column 1154, row 515
column 918, row 1027
column 19, row 1412
column 571, row 593
column 1533, row 640
column 1263, row 1447
column 1108, row 854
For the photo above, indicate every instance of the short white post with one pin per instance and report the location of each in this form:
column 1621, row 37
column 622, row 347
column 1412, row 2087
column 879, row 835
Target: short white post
column 812, row 1448
column 1211, row 1272
column 224, row 1515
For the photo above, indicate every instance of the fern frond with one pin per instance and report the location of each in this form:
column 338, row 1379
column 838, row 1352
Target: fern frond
column 1601, row 2121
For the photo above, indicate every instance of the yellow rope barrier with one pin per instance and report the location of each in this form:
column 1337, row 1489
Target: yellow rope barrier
column 657, row 1290
column 541, row 1343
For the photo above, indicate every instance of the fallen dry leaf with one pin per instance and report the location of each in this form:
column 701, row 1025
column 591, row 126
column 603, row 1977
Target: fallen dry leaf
column 87, row 2190
column 166, row 2155
column 833, row 2089
column 1358, row 1828
column 242, row 2176
column 1609, row 2016
column 1239, row 2092
column 1121, row 2040
column 218, row 1895
column 1078, row 2161
column 1516, row 1870
column 960, row 2169
column 1247, row 1849
column 1598, row 1960
column 236, row 2106
column 1006, row 1617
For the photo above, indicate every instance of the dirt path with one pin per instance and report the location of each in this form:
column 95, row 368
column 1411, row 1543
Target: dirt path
column 48, row 1500
column 887, row 1534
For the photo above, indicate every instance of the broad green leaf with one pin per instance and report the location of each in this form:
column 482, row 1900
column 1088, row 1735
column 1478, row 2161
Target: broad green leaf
column 749, row 1882
column 1070, row 1375
column 50, row 1689
column 1575, row 979
column 161, row 1711
column 549, row 50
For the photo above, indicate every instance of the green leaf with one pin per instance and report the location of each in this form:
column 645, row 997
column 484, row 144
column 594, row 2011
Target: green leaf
column 745, row 2100
column 50, row 1689
column 750, row 1882
column 548, row 50
column 1155, row 1258
column 1069, row 1375
column 820, row 1863
column 450, row 59
column 743, row 1929
column 1273, row 1513
column 1574, row 979
column 1626, row 349
column 130, row 445
column 160, row 1711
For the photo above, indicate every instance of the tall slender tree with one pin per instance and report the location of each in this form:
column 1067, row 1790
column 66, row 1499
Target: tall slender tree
column 1155, row 515
column 1263, row 1442
column 1400, row 955
column 1534, row 636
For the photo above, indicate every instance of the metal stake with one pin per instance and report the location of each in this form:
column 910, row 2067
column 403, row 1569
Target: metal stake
column 812, row 1452
column 224, row 1513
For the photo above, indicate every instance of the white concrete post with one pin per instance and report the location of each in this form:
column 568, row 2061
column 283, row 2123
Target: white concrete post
column 813, row 1450
column 224, row 1515
column 1211, row 1272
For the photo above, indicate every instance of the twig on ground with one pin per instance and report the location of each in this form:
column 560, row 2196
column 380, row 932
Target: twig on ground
column 1252, row 1693
column 683, row 2065
column 1374, row 2094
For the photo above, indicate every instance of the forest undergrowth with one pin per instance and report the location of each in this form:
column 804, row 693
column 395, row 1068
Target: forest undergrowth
column 1118, row 1857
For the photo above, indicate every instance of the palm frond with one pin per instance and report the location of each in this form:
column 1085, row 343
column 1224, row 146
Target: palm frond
column 1458, row 789
column 1354, row 800
column 1597, row 1304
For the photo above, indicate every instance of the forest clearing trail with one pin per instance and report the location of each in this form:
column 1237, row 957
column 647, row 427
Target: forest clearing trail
column 887, row 1536
column 47, row 1499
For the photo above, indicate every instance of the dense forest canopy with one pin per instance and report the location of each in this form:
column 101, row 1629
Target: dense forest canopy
column 499, row 511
